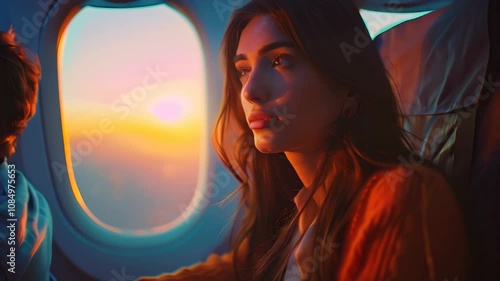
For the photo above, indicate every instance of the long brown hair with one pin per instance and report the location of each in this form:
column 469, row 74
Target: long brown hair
column 333, row 37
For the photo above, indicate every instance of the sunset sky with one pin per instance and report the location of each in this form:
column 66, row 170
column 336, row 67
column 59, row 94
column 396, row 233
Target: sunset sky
column 141, row 72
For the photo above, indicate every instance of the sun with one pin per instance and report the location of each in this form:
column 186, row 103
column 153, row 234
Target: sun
column 171, row 109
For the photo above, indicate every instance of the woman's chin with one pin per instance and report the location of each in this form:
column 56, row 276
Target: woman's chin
column 268, row 143
column 267, row 148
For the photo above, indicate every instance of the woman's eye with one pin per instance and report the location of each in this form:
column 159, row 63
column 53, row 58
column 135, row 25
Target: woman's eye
column 282, row 60
column 243, row 72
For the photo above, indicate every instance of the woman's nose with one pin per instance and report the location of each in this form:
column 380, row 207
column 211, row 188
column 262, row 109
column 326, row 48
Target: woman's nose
column 257, row 88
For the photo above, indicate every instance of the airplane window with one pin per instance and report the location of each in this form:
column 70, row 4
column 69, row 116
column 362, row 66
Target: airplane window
column 378, row 22
column 133, row 95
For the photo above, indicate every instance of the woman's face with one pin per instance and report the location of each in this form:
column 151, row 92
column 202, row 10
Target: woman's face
column 287, row 103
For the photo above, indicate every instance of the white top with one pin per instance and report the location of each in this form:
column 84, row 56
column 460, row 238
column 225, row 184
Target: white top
column 301, row 262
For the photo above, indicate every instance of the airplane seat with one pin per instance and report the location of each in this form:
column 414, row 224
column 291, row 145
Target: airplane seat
column 485, row 180
column 440, row 64
column 437, row 63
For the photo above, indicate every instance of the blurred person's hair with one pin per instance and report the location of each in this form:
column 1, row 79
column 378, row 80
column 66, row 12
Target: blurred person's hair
column 19, row 77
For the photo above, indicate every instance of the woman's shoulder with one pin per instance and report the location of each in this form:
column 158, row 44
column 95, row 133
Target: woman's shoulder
column 410, row 217
column 404, row 190
column 405, row 175
column 407, row 180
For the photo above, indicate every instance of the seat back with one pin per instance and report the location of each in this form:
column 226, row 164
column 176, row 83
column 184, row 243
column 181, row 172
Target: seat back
column 446, row 76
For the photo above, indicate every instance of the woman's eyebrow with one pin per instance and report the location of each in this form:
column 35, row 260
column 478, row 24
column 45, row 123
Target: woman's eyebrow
column 265, row 49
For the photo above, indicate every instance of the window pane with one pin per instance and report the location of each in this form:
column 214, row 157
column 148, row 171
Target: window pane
column 378, row 22
column 133, row 97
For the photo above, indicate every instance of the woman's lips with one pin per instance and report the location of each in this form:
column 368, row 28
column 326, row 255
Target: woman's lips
column 259, row 119
column 259, row 124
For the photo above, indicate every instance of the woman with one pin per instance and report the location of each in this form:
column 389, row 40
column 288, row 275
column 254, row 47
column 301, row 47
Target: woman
column 309, row 125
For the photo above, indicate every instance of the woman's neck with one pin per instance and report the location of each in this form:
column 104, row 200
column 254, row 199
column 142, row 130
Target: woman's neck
column 306, row 165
